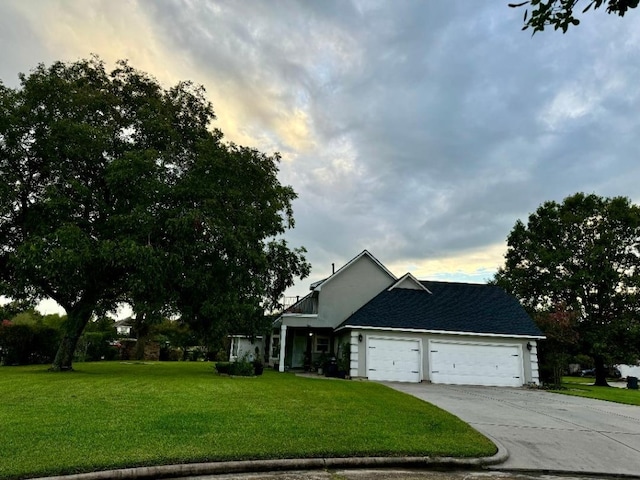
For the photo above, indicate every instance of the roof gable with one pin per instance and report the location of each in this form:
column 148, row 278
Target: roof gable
column 410, row 282
column 317, row 286
column 451, row 307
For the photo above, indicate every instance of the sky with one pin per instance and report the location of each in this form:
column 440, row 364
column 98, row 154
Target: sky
column 420, row 131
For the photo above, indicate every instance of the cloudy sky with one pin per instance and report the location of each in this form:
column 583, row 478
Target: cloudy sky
column 420, row 131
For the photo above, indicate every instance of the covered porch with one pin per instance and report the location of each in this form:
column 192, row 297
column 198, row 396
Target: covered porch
column 300, row 347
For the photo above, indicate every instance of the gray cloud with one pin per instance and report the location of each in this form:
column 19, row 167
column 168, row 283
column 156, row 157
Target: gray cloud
column 418, row 130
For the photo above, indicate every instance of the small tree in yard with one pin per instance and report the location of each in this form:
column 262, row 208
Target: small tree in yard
column 113, row 189
column 560, row 328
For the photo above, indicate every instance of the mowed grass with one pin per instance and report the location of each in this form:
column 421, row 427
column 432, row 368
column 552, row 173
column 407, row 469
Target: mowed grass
column 583, row 387
column 111, row 415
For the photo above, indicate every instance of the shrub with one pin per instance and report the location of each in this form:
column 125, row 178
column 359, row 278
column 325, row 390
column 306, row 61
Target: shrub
column 242, row 368
column 25, row 344
column 223, row 368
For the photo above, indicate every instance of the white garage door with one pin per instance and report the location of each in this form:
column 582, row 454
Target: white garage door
column 475, row 364
column 395, row 360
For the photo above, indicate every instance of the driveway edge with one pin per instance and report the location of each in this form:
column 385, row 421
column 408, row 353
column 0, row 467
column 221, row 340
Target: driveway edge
column 213, row 468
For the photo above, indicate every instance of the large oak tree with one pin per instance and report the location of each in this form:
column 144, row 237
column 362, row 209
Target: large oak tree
column 582, row 254
column 114, row 189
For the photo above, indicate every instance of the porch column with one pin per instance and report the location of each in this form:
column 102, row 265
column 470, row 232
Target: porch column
column 533, row 358
column 354, row 345
column 283, row 343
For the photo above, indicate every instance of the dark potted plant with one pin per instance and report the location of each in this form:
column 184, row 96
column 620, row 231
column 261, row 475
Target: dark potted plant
column 344, row 360
column 321, row 363
column 258, row 365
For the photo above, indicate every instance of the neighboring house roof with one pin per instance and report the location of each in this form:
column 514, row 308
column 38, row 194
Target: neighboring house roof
column 450, row 307
column 317, row 286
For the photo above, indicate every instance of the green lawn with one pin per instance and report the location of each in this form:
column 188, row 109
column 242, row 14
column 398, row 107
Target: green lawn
column 109, row 415
column 583, row 387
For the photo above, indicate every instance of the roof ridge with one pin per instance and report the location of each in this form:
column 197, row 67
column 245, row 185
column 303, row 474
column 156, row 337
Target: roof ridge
column 446, row 282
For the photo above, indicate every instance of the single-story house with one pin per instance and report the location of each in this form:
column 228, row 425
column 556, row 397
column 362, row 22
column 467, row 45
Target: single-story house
column 124, row 327
column 403, row 329
column 246, row 347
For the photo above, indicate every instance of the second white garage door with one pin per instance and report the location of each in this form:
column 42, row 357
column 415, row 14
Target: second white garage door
column 393, row 359
column 459, row 363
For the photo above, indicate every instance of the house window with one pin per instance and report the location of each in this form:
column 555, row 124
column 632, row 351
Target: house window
column 275, row 347
column 234, row 347
column 321, row 344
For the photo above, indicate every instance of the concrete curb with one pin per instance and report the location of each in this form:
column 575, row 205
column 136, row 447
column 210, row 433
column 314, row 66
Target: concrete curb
column 213, row 468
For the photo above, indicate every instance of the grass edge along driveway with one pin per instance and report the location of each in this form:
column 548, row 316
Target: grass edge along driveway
column 113, row 415
column 584, row 387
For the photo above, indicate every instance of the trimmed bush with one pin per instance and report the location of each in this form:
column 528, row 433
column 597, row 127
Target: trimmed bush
column 240, row 368
column 223, row 368
column 25, row 344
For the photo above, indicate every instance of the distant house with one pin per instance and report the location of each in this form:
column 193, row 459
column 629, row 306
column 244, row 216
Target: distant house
column 629, row 370
column 123, row 328
column 246, row 347
column 403, row 329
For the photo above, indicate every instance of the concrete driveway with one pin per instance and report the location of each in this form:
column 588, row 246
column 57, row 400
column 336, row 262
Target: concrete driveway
column 545, row 431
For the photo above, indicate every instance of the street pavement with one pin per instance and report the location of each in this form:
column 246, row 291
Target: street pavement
column 542, row 431
column 396, row 474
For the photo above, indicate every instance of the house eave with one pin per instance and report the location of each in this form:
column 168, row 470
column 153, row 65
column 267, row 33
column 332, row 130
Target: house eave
column 442, row 332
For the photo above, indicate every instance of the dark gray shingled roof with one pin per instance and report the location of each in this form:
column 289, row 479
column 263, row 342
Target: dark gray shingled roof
column 454, row 307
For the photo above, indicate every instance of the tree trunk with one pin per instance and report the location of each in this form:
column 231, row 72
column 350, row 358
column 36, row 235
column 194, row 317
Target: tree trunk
column 601, row 371
column 77, row 319
column 142, row 331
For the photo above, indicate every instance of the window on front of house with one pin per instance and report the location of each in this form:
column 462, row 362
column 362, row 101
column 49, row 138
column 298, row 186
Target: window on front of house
column 234, row 347
column 322, row 344
column 275, row 347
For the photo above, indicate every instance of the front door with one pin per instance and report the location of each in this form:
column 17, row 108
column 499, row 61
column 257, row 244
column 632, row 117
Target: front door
column 299, row 349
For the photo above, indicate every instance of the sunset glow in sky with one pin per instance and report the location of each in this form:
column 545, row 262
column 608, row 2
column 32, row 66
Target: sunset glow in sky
column 420, row 131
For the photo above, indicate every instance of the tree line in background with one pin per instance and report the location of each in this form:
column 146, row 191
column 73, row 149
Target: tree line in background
column 575, row 266
column 116, row 190
column 29, row 337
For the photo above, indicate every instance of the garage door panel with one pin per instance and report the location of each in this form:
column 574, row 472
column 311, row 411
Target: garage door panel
column 394, row 359
column 475, row 364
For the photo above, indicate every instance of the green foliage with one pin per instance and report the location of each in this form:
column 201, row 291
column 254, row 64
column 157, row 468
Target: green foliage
column 223, row 368
column 95, row 346
column 114, row 189
column 26, row 343
column 242, row 367
column 113, row 415
column 560, row 15
column 582, row 255
column 11, row 309
column 585, row 361
column 344, row 357
column 561, row 329
column 28, row 317
column 95, row 342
